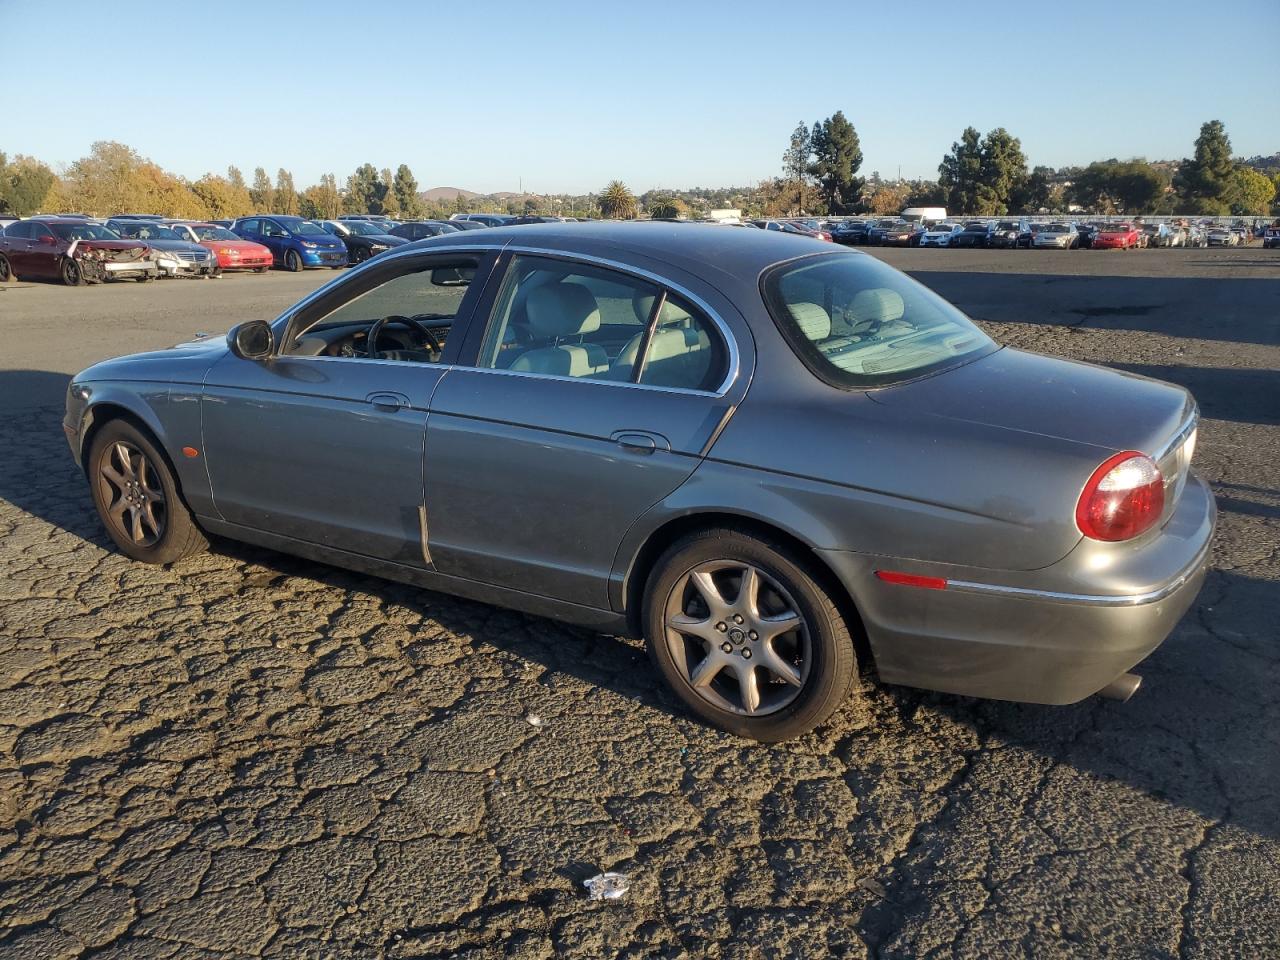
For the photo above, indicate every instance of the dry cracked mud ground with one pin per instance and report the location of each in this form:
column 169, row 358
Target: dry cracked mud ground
column 248, row 755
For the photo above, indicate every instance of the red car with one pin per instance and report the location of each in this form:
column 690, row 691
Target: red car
column 233, row 253
column 1122, row 235
column 73, row 250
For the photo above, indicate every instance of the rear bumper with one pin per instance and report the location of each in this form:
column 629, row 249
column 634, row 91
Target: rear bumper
column 1050, row 636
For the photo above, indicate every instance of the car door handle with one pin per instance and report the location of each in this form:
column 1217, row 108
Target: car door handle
column 389, row 402
column 640, row 441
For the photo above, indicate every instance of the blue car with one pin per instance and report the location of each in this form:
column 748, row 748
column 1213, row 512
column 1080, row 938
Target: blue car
column 294, row 242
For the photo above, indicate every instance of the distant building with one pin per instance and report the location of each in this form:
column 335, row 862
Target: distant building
column 725, row 216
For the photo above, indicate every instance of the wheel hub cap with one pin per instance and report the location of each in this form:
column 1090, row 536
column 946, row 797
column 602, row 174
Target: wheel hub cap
column 735, row 634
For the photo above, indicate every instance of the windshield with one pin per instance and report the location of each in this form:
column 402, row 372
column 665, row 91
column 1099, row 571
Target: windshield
column 214, row 233
column 975, row 226
column 1006, row 225
column 1054, row 228
column 1117, row 228
column 147, row 231
column 363, row 228
column 82, row 231
column 856, row 322
column 942, row 228
column 305, row 228
column 887, row 223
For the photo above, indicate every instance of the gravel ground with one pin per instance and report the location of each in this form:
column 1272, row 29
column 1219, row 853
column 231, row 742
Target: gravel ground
column 249, row 755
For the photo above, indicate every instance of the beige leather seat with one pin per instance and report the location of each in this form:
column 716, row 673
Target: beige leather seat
column 559, row 312
column 680, row 353
column 872, row 309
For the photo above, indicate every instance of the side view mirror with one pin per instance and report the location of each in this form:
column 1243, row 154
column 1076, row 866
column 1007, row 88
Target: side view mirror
column 251, row 340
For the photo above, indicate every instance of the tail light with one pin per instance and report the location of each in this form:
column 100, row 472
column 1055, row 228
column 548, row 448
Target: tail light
column 1123, row 498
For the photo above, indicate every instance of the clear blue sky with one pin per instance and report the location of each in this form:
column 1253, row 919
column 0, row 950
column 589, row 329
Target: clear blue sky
column 570, row 95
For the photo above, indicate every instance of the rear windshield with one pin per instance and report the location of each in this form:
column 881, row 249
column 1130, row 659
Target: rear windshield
column 858, row 323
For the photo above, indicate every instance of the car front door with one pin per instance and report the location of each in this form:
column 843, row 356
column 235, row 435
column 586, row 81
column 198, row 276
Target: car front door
column 323, row 441
column 590, row 394
column 275, row 237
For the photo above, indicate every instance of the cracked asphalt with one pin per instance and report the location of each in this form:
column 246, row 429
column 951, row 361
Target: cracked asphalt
column 250, row 755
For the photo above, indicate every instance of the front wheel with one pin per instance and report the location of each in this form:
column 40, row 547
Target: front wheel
column 292, row 262
column 137, row 497
column 259, row 269
column 71, row 273
column 747, row 636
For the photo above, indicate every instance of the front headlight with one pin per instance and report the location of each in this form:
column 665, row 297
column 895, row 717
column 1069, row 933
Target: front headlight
column 308, row 244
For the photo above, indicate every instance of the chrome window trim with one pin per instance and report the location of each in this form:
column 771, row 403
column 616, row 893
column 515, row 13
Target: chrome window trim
column 1086, row 599
column 731, row 344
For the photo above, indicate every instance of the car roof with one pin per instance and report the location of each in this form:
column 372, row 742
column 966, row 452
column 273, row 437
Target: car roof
column 684, row 245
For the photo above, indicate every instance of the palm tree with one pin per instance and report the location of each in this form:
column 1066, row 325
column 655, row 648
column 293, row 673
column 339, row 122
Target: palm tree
column 617, row 202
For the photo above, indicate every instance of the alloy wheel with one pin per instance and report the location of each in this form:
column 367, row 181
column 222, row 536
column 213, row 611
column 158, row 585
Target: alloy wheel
column 131, row 490
column 737, row 637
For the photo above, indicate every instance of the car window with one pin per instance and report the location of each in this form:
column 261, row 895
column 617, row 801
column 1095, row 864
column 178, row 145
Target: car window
column 858, row 323
column 249, row 226
column 415, row 312
column 20, row 230
column 272, row 229
column 573, row 320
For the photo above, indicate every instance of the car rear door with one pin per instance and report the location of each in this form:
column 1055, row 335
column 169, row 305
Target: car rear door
column 324, row 448
column 17, row 246
column 545, row 448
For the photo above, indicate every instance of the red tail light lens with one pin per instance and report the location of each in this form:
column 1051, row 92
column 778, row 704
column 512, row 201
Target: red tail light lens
column 1123, row 498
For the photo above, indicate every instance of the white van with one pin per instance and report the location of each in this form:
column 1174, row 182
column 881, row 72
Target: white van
column 924, row 214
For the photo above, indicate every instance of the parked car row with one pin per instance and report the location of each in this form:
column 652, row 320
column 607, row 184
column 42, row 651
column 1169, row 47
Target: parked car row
column 1020, row 233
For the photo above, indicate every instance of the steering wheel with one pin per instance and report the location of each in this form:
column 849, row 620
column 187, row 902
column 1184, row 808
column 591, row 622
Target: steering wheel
column 371, row 341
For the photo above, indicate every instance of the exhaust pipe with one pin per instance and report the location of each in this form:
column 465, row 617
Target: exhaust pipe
column 1122, row 687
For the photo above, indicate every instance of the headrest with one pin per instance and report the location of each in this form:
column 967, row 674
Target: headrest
column 814, row 322
column 642, row 304
column 876, row 306
column 562, row 310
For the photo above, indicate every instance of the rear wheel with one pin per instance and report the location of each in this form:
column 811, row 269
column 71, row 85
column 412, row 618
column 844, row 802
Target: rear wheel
column 71, row 273
column 137, row 496
column 292, row 261
column 746, row 636
column 6, row 270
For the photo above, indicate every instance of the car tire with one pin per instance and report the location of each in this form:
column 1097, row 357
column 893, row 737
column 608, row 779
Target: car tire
column 139, row 503
column 70, row 273
column 6, row 270
column 145, row 278
column 818, row 654
column 292, row 262
column 260, row 269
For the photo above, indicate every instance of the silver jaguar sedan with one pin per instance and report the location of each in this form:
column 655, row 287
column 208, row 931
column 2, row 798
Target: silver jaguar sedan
column 773, row 458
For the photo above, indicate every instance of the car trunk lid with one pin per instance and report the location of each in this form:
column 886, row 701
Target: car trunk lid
column 1067, row 400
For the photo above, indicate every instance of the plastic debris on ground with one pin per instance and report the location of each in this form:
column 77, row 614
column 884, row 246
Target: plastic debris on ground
column 533, row 720
column 607, row 886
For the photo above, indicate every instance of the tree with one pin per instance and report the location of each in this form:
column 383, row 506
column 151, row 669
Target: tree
column 668, row 208
column 405, row 188
column 1112, row 186
column 1203, row 181
column 221, row 198
column 1036, row 194
column 284, row 198
column 261, row 193
column 1003, row 171
column 25, row 185
column 924, row 193
column 390, row 205
column 1249, row 192
column 838, row 157
column 617, row 202
column 795, row 161
column 960, row 173
column 365, row 190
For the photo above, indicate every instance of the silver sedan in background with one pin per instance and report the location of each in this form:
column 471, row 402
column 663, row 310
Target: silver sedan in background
column 775, row 459
column 1060, row 236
